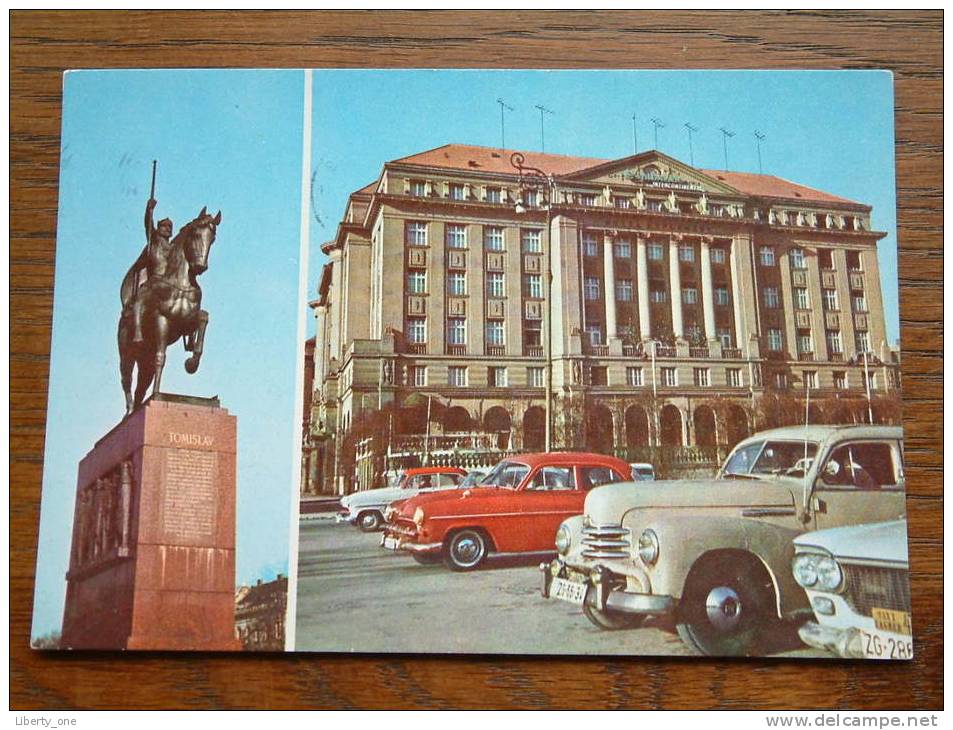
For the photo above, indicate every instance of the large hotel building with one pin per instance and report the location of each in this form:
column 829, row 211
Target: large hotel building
column 680, row 299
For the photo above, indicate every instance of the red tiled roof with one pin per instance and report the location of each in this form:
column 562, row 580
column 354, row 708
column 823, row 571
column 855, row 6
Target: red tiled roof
column 367, row 189
column 496, row 160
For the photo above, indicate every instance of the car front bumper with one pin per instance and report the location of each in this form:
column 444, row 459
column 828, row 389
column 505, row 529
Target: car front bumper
column 846, row 643
column 602, row 592
column 398, row 543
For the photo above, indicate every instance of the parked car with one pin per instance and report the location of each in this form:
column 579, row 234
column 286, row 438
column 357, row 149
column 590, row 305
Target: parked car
column 715, row 554
column 366, row 509
column 642, row 472
column 858, row 582
column 516, row 509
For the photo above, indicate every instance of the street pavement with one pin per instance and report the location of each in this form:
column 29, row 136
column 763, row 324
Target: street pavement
column 354, row 596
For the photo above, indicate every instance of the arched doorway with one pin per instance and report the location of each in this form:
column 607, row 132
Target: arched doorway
column 703, row 420
column 534, row 429
column 736, row 425
column 457, row 420
column 599, row 429
column 670, row 425
column 497, row 421
column 636, row 427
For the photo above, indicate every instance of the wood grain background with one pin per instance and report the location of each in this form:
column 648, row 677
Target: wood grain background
column 44, row 44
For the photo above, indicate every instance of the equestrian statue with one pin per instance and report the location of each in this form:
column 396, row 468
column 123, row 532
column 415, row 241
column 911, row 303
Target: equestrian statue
column 162, row 300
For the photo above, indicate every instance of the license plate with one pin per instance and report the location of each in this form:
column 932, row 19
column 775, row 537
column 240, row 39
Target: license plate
column 896, row 622
column 878, row 645
column 389, row 543
column 567, row 590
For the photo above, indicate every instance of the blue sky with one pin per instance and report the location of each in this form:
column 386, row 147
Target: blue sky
column 230, row 140
column 832, row 130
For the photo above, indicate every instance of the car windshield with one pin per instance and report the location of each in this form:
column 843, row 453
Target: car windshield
column 506, row 474
column 787, row 458
column 473, row 479
column 643, row 474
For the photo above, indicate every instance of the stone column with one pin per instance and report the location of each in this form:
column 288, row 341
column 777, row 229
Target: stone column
column 818, row 324
column 708, row 304
column 845, row 317
column 320, row 344
column 608, row 275
column 787, row 302
column 641, row 263
column 675, row 286
column 334, row 331
column 876, row 317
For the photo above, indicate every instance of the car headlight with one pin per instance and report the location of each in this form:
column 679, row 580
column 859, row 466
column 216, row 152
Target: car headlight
column 563, row 540
column 820, row 572
column 804, row 568
column 648, row 547
column 829, row 575
column 419, row 516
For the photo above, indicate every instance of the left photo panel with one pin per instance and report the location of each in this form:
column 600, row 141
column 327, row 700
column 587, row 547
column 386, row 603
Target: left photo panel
column 171, row 454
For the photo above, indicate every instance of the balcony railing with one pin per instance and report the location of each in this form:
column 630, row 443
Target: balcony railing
column 599, row 350
column 731, row 353
column 699, row 352
column 805, row 356
column 665, row 351
column 533, row 351
column 456, row 349
column 417, row 348
column 496, row 350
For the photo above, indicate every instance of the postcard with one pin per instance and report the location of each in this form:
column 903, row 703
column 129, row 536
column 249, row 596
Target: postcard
column 506, row 362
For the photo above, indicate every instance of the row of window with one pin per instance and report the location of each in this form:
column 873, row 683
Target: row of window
column 458, row 376
column 417, row 234
column 798, row 259
column 810, row 380
column 802, row 299
column 805, row 341
column 623, row 292
column 622, row 249
column 457, row 283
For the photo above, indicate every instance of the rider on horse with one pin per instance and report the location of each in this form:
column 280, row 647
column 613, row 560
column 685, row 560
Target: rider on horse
column 153, row 259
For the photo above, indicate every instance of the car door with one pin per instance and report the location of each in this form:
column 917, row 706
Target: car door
column 860, row 481
column 547, row 497
column 447, row 481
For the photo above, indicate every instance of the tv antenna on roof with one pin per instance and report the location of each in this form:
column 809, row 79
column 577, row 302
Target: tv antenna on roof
column 691, row 149
column 760, row 137
column 657, row 123
column 542, row 131
column 726, row 133
column 635, row 137
column 506, row 107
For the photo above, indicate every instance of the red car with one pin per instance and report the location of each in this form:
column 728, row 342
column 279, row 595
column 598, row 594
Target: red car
column 517, row 508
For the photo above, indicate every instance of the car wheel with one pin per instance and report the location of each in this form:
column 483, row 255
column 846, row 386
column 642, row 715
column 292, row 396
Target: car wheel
column 465, row 550
column 426, row 558
column 727, row 611
column 370, row 521
column 612, row 620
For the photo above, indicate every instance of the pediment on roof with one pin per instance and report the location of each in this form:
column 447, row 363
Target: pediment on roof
column 652, row 170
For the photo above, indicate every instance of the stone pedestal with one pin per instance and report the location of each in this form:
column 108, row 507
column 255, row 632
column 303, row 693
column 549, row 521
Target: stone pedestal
column 152, row 564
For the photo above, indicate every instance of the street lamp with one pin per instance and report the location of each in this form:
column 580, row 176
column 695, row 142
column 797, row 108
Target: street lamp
column 536, row 177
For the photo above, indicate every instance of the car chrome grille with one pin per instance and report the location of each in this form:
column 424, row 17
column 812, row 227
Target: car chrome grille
column 872, row 587
column 403, row 529
column 605, row 541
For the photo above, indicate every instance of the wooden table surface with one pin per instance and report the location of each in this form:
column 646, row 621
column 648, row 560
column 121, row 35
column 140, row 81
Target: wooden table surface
column 44, row 44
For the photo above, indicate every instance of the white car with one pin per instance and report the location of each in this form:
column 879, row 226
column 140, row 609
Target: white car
column 366, row 509
column 857, row 579
column 642, row 472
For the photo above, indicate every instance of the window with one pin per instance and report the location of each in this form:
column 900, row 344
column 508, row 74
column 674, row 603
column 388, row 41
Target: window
column 535, row 377
column 861, row 466
column 587, row 199
column 853, row 261
column 456, row 235
column 622, row 250
column 590, row 246
column 495, row 284
column 658, row 296
column 416, row 281
column 669, row 377
column 780, row 380
column 493, row 195
column 496, row 377
column 553, row 479
column 693, row 333
column 598, row 375
column 457, row 376
column 686, row 253
column 718, row 255
column 771, row 297
column 592, row 288
column 494, row 333
column 733, row 377
column 656, row 252
column 493, row 238
column 416, row 233
column 721, row 296
column 417, row 330
column 532, row 239
column 774, row 340
column 810, row 379
column 797, row 259
column 533, row 333
column 840, row 380
column 654, row 204
column 532, row 198
column 724, row 334
column 506, row 474
column 825, row 259
column 457, row 192
column 534, row 286
column 805, row 343
column 834, row 344
column 457, row 331
column 417, row 375
column 701, row 377
column 766, row 255
column 862, row 340
column 623, row 290
column 595, row 476
column 801, row 300
column 621, row 202
column 860, row 303
column 872, row 381
column 457, row 283
column 418, row 188
column 690, row 296
column 830, row 300
column 634, row 377
column 594, row 331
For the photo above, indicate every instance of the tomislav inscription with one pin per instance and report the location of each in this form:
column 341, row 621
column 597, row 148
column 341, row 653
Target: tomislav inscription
column 190, row 439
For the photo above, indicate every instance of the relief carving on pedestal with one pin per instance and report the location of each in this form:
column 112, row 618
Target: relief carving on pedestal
column 103, row 518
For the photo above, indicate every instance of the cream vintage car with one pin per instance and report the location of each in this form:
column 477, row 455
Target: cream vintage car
column 858, row 581
column 715, row 555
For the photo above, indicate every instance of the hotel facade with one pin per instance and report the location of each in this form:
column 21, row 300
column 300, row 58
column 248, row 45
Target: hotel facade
column 682, row 301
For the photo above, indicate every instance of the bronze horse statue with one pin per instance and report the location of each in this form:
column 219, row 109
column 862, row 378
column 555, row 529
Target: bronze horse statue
column 173, row 310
